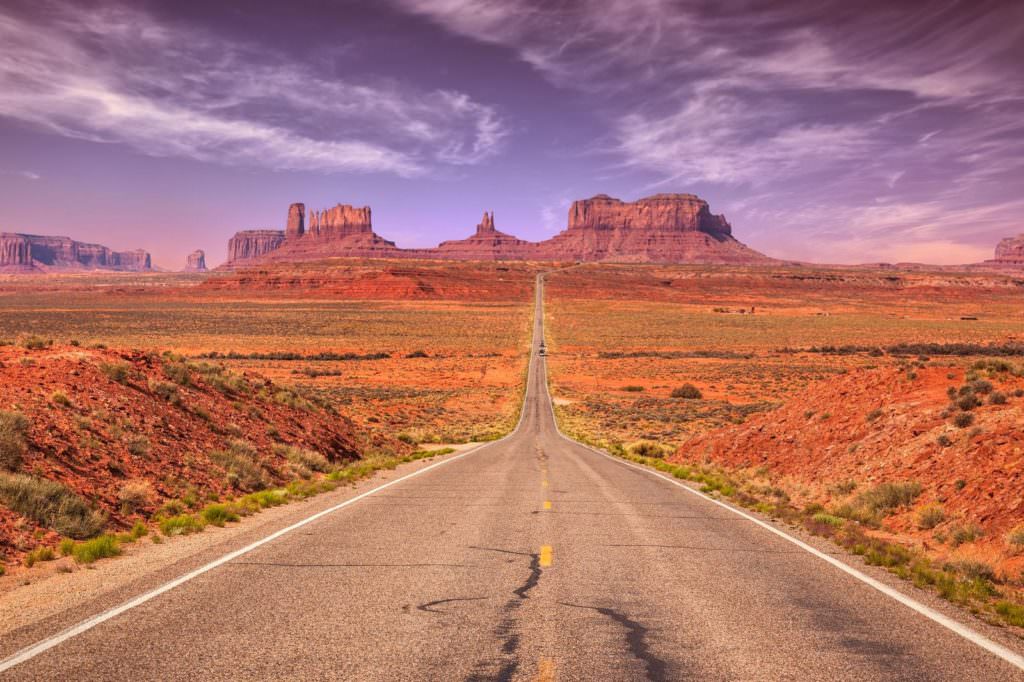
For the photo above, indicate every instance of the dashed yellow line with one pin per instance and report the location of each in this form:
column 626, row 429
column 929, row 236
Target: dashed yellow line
column 545, row 556
column 547, row 504
column 546, row 670
column 544, row 484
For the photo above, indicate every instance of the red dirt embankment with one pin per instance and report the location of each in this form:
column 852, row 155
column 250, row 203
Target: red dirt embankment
column 893, row 425
column 102, row 421
column 381, row 280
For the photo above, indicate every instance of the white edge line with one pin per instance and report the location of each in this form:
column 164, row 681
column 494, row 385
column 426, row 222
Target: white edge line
column 44, row 645
column 1008, row 655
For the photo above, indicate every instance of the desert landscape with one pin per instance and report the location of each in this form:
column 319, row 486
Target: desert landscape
column 813, row 389
column 155, row 404
column 511, row 341
column 798, row 384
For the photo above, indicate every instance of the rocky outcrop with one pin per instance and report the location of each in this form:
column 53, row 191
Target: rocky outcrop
column 296, row 225
column 195, row 261
column 15, row 251
column 339, row 222
column 28, row 252
column 132, row 261
column 250, row 245
column 339, row 231
column 486, row 244
column 658, row 213
column 1009, row 253
column 664, row 228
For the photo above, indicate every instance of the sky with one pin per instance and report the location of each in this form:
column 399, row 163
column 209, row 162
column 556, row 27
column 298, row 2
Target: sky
column 824, row 130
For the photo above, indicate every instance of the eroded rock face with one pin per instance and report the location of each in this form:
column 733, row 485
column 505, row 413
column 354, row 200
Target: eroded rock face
column 658, row 213
column 47, row 253
column 339, row 222
column 487, row 243
column 296, row 225
column 664, row 228
column 195, row 261
column 15, row 251
column 339, row 231
column 1010, row 252
column 486, row 225
column 132, row 261
column 249, row 245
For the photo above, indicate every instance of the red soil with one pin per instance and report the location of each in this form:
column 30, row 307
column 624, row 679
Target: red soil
column 381, row 280
column 85, row 445
column 824, row 436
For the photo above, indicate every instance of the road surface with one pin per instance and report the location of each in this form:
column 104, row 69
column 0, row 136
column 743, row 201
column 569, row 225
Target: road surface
column 531, row 558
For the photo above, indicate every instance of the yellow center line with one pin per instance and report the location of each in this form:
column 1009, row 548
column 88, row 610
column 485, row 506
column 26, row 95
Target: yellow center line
column 545, row 556
column 546, row 670
column 544, row 484
column 547, row 504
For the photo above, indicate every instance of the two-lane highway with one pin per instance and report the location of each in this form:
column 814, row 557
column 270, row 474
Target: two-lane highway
column 530, row 558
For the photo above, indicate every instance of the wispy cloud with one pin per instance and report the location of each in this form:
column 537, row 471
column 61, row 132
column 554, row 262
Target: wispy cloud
column 26, row 174
column 809, row 104
column 116, row 74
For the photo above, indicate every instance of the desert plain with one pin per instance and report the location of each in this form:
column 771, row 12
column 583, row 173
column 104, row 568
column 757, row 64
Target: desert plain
column 876, row 407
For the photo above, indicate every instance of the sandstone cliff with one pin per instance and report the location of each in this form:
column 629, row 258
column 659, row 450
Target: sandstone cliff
column 1009, row 253
column 15, row 251
column 249, row 245
column 195, row 261
column 664, row 228
column 339, row 231
column 27, row 252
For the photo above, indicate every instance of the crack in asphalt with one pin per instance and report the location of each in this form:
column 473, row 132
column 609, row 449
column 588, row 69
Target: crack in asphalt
column 532, row 580
column 507, row 629
column 636, row 640
column 428, row 606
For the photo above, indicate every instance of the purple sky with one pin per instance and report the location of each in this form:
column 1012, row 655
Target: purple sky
column 824, row 131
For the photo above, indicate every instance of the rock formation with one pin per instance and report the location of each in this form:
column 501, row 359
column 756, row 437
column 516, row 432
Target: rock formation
column 486, row 244
column 249, row 245
column 28, row 252
column 296, row 225
column 664, row 228
column 1009, row 253
column 673, row 228
column 339, row 231
column 339, row 222
column 15, row 251
column 195, row 261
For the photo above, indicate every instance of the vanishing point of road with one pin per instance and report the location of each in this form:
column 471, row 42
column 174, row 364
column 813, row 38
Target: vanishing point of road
column 530, row 558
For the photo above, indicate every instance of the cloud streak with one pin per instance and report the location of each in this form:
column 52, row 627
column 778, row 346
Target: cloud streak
column 806, row 104
column 117, row 75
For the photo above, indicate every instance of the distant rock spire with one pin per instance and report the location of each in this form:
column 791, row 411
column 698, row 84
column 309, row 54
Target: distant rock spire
column 296, row 226
column 487, row 224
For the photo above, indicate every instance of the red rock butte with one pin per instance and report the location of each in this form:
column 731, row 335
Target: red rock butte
column 1009, row 253
column 195, row 261
column 664, row 228
column 35, row 253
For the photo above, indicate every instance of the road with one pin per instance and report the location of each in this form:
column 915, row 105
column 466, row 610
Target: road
column 531, row 558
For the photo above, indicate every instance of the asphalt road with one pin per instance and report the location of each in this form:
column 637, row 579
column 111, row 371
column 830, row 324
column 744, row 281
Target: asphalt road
column 532, row 558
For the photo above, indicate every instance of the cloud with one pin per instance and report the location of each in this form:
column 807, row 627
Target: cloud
column 808, row 105
column 117, row 75
column 27, row 174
